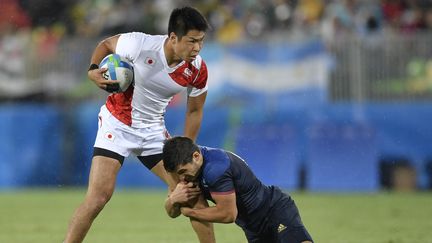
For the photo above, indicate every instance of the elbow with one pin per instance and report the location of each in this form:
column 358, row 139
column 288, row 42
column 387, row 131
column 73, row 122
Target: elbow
column 173, row 210
column 173, row 215
column 195, row 111
column 230, row 217
column 105, row 44
column 228, row 220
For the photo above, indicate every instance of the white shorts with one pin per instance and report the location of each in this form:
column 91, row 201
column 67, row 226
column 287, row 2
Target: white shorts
column 115, row 136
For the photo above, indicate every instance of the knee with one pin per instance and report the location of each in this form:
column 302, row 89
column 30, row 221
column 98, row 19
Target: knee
column 97, row 202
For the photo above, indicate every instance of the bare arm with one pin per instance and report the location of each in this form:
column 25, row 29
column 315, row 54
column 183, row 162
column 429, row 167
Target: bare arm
column 105, row 47
column 225, row 210
column 172, row 208
column 194, row 114
column 182, row 195
column 173, row 204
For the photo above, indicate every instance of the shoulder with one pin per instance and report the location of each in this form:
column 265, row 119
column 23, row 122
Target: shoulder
column 200, row 73
column 132, row 45
column 199, row 63
column 193, row 74
column 145, row 40
column 216, row 163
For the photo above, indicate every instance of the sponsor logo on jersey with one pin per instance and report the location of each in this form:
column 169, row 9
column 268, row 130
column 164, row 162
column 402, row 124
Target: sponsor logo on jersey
column 187, row 73
column 281, row 228
column 109, row 136
column 204, row 183
column 150, row 61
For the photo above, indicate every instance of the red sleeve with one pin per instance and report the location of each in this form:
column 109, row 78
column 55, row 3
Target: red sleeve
column 201, row 79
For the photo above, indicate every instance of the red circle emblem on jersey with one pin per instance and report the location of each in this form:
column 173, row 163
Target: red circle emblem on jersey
column 150, row 61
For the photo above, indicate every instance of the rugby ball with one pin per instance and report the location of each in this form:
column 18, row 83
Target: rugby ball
column 120, row 69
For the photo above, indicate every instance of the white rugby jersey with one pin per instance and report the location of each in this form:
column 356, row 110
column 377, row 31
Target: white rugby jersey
column 156, row 83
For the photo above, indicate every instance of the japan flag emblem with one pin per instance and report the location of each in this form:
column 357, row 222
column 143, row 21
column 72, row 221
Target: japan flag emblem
column 109, row 136
column 150, row 61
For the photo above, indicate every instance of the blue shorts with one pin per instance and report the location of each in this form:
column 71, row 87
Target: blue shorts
column 283, row 225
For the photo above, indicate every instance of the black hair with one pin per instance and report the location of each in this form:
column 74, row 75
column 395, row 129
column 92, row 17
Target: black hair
column 178, row 151
column 184, row 19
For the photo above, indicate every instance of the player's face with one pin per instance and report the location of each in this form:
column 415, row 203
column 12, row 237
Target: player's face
column 190, row 171
column 189, row 46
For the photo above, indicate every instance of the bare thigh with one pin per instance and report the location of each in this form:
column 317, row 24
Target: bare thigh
column 103, row 174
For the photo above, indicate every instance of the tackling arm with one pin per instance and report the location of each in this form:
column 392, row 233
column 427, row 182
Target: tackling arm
column 225, row 210
column 184, row 194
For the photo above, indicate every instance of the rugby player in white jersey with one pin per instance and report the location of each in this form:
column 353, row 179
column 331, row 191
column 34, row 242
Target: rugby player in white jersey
column 132, row 122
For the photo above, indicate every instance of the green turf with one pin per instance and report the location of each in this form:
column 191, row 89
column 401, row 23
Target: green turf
column 41, row 216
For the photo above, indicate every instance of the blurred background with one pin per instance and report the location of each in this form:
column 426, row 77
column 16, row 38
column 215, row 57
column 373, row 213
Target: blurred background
column 317, row 95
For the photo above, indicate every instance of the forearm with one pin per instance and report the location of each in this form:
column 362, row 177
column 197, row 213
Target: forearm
column 183, row 194
column 172, row 209
column 193, row 124
column 210, row 214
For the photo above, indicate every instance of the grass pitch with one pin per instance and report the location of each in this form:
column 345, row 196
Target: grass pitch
column 134, row 216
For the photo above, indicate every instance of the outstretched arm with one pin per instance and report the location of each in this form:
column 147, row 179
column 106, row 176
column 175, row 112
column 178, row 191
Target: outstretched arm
column 194, row 114
column 225, row 210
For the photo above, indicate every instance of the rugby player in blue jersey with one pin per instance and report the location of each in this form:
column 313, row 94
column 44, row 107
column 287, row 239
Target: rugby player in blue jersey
column 264, row 213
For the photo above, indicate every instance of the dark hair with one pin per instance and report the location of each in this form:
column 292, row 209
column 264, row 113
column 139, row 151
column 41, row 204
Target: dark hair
column 185, row 19
column 178, row 151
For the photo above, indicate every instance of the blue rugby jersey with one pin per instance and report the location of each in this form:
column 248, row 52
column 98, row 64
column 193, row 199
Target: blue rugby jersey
column 224, row 172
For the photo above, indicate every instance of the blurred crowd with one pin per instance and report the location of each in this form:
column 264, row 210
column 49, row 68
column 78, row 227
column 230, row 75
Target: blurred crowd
column 231, row 20
column 31, row 30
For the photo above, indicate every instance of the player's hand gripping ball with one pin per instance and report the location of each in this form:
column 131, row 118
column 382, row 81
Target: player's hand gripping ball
column 119, row 69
